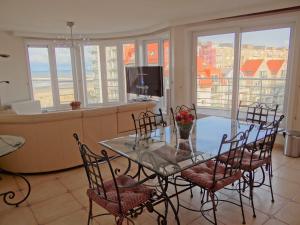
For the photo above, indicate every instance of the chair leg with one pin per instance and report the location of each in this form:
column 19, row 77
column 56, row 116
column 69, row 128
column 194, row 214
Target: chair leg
column 212, row 197
column 251, row 184
column 203, row 196
column 241, row 201
column 270, row 181
column 177, row 197
column 191, row 190
column 90, row 211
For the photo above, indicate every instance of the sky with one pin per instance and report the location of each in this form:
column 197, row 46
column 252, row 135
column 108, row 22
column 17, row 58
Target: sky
column 273, row 38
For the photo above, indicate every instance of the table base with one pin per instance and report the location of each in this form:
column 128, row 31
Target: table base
column 9, row 196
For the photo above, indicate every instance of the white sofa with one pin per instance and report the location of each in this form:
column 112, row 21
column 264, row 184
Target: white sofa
column 49, row 143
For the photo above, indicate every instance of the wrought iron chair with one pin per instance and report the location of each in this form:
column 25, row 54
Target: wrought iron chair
column 257, row 156
column 181, row 108
column 121, row 196
column 148, row 122
column 258, row 112
column 214, row 175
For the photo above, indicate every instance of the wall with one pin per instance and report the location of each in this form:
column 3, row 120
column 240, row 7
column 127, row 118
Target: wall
column 183, row 87
column 13, row 69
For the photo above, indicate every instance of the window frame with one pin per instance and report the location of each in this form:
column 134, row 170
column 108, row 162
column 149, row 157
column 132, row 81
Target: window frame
column 51, row 45
column 238, row 30
column 78, row 65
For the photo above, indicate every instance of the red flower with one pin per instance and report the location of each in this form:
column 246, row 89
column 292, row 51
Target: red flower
column 184, row 117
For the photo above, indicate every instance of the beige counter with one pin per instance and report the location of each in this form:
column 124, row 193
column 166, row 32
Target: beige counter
column 49, row 143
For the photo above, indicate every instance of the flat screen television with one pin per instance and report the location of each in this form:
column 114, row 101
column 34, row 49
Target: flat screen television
column 145, row 80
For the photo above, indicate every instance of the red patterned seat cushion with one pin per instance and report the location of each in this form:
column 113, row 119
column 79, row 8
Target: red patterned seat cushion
column 202, row 175
column 130, row 197
column 256, row 160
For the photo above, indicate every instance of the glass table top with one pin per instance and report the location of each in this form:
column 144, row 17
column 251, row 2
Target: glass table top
column 166, row 154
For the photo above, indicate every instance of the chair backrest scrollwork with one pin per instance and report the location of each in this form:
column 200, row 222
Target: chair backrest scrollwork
column 96, row 167
column 233, row 150
column 258, row 112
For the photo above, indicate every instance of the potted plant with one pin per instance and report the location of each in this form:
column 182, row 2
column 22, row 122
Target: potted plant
column 75, row 105
column 184, row 120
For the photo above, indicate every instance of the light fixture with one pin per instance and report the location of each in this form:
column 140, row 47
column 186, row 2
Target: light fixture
column 4, row 81
column 4, row 55
column 70, row 24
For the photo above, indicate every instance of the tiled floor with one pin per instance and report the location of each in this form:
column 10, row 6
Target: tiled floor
column 60, row 199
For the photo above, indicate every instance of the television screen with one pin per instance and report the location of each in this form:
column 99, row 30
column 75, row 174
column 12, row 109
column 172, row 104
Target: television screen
column 145, row 80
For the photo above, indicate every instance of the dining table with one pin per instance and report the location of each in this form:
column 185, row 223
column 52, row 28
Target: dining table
column 165, row 154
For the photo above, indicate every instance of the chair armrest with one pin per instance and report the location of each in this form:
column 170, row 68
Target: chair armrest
column 151, row 177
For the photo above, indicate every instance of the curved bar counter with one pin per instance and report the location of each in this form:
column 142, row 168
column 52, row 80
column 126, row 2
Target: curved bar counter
column 49, row 142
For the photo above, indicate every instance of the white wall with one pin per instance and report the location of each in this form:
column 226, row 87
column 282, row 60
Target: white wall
column 13, row 69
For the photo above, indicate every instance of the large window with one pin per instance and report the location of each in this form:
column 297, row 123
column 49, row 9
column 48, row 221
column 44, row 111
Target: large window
column 41, row 75
column 214, row 70
column 112, row 73
column 52, row 77
column 92, row 72
column 260, row 75
column 157, row 53
column 152, row 53
column 64, row 73
column 264, row 57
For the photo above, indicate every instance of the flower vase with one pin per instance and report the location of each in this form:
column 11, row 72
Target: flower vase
column 184, row 130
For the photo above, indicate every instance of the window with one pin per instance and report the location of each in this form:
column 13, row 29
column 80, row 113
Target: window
column 91, row 72
column 261, row 75
column 265, row 82
column 40, row 75
column 166, row 63
column 92, row 69
column 129, row 54
column 157, row 53
column 112, row 78
column 152, row 53
column 214, row 71
column 64, row 73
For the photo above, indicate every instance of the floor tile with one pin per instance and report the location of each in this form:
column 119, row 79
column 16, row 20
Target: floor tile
column 76, row 179
column 50, row 210
column 60, row 199
column 36, row 179
column 17, row 216
column 283, row 187
column 274, row 222
column 289, row 174
column 81, row 196
column 290, row 214
column 45, row 190
column 263, row 203
column 231, row 214
column 76, row 218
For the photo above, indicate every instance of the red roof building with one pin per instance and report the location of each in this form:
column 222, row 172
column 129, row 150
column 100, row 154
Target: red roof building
column 274, row 65
column 250, row 67
column 206, row 72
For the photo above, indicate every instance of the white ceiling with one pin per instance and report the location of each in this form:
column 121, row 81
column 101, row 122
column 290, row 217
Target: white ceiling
column 115, row 16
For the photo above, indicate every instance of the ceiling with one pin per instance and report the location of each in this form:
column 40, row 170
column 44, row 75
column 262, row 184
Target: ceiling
column 120, row 16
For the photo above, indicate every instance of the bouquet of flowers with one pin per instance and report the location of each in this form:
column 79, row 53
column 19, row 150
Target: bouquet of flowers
column 184, row 120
